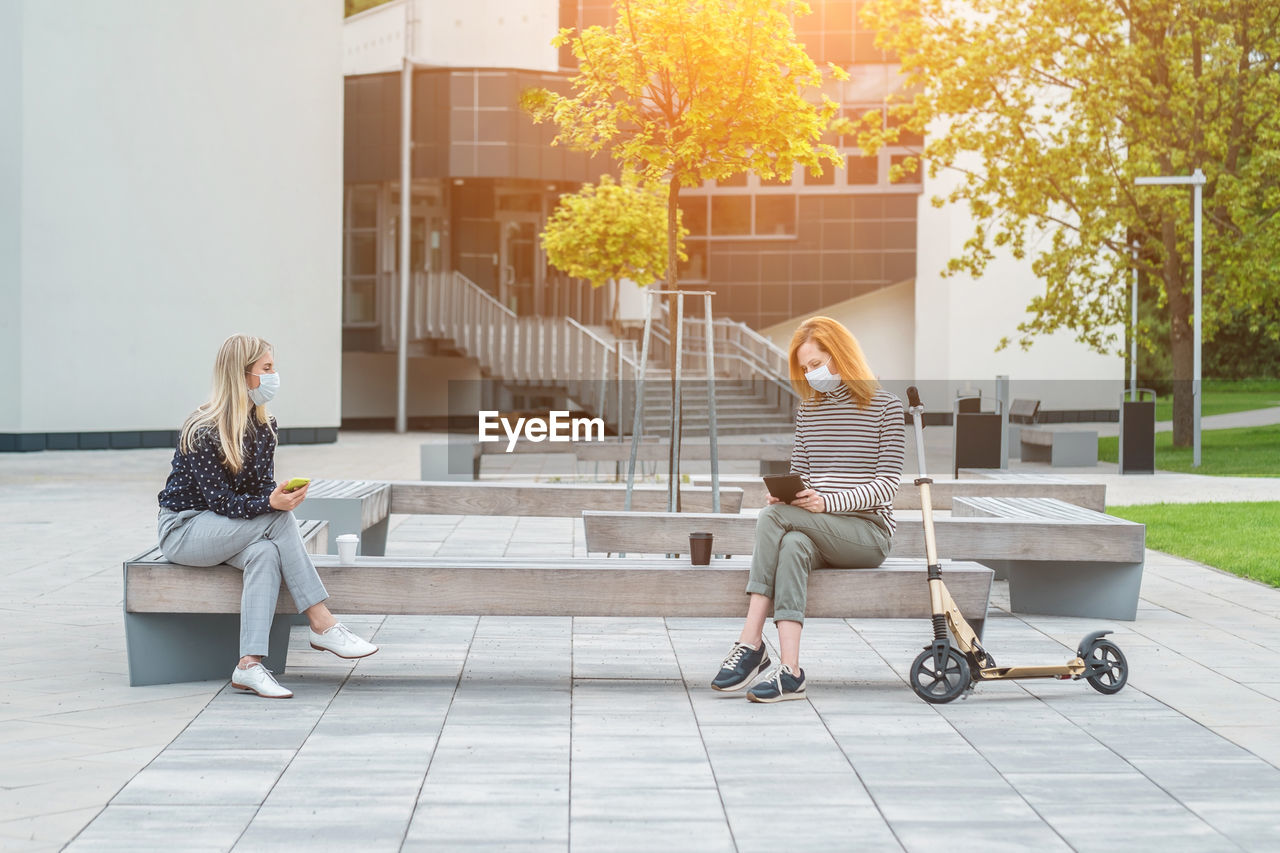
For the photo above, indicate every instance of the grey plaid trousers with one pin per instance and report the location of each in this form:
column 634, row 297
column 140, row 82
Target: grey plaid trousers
column 267, row 549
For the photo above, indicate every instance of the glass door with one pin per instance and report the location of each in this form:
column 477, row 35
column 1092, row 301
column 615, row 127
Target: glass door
column 521, row 265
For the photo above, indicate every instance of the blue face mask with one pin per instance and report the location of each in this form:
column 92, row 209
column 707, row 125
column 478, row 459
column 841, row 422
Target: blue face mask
column 269, row 384
column 823, row 380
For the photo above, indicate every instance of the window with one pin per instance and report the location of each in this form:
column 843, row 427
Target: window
column 738, row 180
column 730, row 215
column 775, row 215
column 863, row 170
column 693, row 214
column 739, row 216
column 360, row 255
column 826, row 179
column 864, row 40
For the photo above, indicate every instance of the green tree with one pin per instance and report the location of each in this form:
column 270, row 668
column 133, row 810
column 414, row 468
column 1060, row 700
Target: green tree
column 682, row 91
column 610, row 231
column 1045, row 111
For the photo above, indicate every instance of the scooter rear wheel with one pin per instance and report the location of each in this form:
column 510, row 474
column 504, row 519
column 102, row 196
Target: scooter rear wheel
column 937, row 687
column 1108, row 670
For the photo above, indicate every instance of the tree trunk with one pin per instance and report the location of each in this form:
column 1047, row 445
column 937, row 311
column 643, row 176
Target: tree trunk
column 673, row 283
column 1181, row 345
column 615, row 325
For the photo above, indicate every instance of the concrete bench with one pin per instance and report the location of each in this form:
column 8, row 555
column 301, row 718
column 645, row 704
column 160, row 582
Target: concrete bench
column 1020, row 412
column 1090, row 495
column 1045, row 533
column 1061, row 448
column 1079, row 563
column 461, row 457
column 173, row 634
column 350, row 506
column 1023, row 411
column 552, row 500
column 566, row 587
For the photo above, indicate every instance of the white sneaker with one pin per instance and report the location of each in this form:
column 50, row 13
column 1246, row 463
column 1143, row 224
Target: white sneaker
column 259, row 679
column 342, row 643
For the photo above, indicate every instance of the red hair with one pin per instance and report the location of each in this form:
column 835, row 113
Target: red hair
column 847, row 360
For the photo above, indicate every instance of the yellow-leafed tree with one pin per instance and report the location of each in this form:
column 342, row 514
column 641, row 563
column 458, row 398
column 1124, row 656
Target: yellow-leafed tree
column 611, row 231
column 682, row 91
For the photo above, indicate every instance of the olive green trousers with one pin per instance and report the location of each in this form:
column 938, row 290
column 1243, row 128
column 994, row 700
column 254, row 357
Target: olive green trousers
column 791, row 541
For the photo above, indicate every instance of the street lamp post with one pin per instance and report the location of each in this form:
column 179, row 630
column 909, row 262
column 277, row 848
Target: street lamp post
column 1197, row 181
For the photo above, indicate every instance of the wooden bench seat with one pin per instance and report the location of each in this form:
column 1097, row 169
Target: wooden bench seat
column 558, row 587
column 1094, row 560
column 461, row 457
column 554, row 500
column 175, row 636
column 1091, row 495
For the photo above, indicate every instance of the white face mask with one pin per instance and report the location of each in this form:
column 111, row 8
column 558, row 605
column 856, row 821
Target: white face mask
column 269, row 384
column 823, row 380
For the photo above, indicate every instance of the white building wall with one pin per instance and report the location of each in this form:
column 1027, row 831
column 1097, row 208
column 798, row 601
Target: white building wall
column 883, row 322
column 181, row 174
column 474, row 34
column 10, row 213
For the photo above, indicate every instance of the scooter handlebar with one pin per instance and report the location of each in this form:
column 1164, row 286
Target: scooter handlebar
column 913, row 397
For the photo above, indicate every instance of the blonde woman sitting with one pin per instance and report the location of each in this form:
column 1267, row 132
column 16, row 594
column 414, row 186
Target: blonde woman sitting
column 221, row 504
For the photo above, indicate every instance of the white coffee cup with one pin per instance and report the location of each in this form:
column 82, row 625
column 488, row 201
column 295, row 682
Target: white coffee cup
column 347, row 544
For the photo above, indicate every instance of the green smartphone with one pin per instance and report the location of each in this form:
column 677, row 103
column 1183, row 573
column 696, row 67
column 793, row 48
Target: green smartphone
column 296, row 483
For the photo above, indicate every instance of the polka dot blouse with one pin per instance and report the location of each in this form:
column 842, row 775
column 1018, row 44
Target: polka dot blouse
column 201, row 480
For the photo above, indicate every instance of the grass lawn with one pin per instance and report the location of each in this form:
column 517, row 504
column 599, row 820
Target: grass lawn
column 1241, row 452
column 1223, row 396
column 1241, row 538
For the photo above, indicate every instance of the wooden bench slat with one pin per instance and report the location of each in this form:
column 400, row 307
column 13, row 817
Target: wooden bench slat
column 608, row 451
column 555, row 500
column 1090, row 495
column 575, row 587
column 1023, row 507
column 961, row 538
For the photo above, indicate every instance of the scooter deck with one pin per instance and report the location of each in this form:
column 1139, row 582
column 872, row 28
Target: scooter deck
column 1070, row 669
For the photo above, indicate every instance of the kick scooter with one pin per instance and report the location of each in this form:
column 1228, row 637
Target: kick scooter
column 953, row 664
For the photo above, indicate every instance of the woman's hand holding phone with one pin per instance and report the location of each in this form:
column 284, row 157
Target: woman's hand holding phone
column 287, row 501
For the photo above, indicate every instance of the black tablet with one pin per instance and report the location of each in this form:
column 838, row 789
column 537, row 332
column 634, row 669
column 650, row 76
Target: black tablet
column 784, row 486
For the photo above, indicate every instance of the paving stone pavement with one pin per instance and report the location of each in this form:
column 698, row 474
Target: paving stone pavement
column 599, row 734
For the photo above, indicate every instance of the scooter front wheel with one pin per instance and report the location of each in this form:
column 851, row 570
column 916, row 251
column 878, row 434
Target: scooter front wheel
column 1106, row 669
column 938, row 686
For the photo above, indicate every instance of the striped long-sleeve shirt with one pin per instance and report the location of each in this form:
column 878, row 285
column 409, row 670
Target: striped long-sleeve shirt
column 852, row 456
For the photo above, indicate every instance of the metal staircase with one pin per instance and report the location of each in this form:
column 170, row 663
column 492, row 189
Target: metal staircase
column 560, row 355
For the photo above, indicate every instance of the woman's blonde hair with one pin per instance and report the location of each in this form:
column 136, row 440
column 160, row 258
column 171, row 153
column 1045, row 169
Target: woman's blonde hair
column 847, row 360
column 227, row 409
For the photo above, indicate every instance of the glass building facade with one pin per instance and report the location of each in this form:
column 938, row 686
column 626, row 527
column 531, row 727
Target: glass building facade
column 486, row 179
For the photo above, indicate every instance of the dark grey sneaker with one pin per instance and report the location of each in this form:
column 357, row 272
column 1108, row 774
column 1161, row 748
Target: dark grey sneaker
column 740, row 666
column 778, row 686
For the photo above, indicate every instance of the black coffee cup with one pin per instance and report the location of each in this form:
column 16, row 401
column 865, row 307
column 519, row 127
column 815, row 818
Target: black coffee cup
column 700, row 549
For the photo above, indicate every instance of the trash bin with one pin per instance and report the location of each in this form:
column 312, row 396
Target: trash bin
column 978, row 435
column 1138, row 433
